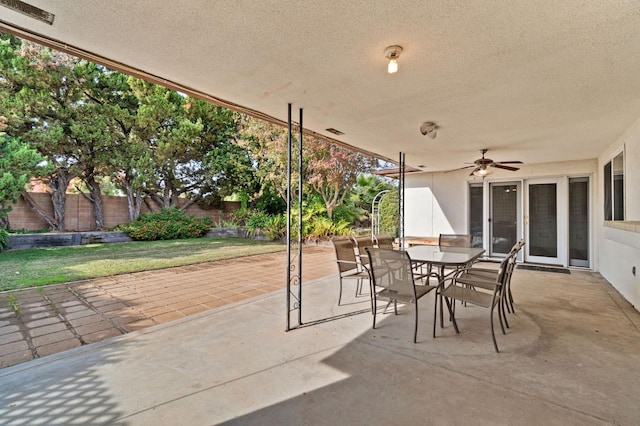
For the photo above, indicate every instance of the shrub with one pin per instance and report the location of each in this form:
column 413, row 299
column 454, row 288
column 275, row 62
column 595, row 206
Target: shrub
column 258, row 221
column 241, row 216
column 4, row 239
column 168, row 224
column 276, row 227
column 389, row 214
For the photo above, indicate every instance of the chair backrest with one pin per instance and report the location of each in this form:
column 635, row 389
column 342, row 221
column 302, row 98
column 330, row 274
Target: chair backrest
column 505, row 269
column 345, row 253
column 455, row 240
column 384, row 241
column 391, row 269
column 361, row 243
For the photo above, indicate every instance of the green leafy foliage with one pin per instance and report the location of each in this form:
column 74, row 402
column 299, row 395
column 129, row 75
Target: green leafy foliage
column 316, row 225
column 168, row 224
column 276, row 227
column 4, row 239
column 257, row 222
column 389, row 213
column 18, row 164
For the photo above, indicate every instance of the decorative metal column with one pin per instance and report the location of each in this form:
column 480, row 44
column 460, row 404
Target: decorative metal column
column 294, row 275
column 401, row 171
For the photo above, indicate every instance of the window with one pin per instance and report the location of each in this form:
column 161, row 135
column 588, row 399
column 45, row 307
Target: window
column 614, row 188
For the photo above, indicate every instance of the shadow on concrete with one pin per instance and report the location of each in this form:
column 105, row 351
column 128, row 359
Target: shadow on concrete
column 70, row 396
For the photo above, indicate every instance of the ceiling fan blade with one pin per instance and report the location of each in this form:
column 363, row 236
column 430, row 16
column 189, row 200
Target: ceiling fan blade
column 500, row 166
column 509, row 162
column 459, row 168
column 474, row 170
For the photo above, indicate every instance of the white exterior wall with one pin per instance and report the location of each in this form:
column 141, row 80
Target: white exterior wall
column 432, row 205
column 438, row 203
column 619, row 247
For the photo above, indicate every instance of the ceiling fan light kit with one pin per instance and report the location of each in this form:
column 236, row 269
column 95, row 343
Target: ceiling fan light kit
column 482, row 172
column 483, row 166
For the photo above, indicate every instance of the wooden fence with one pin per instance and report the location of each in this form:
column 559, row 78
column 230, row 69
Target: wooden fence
column 79, row 212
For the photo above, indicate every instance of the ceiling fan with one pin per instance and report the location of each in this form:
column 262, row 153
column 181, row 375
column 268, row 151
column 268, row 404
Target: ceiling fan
column 482, row 165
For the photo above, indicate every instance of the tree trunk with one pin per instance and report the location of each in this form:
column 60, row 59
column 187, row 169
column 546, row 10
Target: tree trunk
column 96, row 202
column 4, row 220
column 59, row 183
column 134, row 201
column 32, row 203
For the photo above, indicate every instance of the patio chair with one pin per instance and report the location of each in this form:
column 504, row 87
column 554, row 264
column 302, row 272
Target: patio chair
column 361, row 243
column 455, row 240
column 478, row 292
column 384, row 241
column 348, row 266
column 488, row 273
column 392, row 281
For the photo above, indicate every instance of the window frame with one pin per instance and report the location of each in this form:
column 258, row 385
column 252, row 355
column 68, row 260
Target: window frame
column 614, row 187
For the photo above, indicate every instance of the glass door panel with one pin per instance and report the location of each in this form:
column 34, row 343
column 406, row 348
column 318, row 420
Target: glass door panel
column 504, row 214
column 543, row 212
column 579, row 222
column 543, row 220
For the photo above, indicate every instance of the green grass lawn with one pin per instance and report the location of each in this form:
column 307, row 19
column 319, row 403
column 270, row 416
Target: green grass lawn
column 42, row 266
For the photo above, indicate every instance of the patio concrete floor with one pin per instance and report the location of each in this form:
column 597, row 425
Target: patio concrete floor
column 60, row 317
column 571, row 357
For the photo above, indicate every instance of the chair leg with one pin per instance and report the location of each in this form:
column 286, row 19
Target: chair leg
column 510, row 298
column 371, row 289
column 374, row 306
column 452, row 316
column 340, row 294
column 415, row 328
column 435, row 313
column 493, row 334
column 501, row 311
column 501, row 317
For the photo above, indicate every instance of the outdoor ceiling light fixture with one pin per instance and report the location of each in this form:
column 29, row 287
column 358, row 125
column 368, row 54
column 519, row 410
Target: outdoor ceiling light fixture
column 482, row 172
column 392, row 53
column 429, row 128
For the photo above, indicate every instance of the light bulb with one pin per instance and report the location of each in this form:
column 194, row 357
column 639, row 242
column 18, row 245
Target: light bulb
column 482, row 172
column 393, row 66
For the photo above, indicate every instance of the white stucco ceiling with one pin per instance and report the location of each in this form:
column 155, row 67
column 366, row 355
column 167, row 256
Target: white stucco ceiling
column 536, row 81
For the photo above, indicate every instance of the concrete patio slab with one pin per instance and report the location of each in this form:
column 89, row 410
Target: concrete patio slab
column 571, row 357
column 38, row 322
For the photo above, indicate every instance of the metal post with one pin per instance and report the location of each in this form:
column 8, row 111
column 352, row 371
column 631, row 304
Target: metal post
column 289, row 220
column 294, row 299
column 401, row 171
column 300, row 189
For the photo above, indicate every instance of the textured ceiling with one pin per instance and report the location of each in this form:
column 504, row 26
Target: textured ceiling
column 534, row 81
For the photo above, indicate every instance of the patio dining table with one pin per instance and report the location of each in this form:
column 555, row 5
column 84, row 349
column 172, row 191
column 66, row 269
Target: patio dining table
column 441, row 257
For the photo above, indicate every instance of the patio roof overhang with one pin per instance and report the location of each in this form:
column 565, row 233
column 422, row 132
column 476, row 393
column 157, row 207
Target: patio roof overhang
column 536, row 82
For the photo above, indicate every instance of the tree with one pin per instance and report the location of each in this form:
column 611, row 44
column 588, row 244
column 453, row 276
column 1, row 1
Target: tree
column 190, row 146
column 329, row 170
column 18, row 164
column 332, row 171
column 366, row 188
column 42, row 89
column 267, row 144
column 94, row 124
